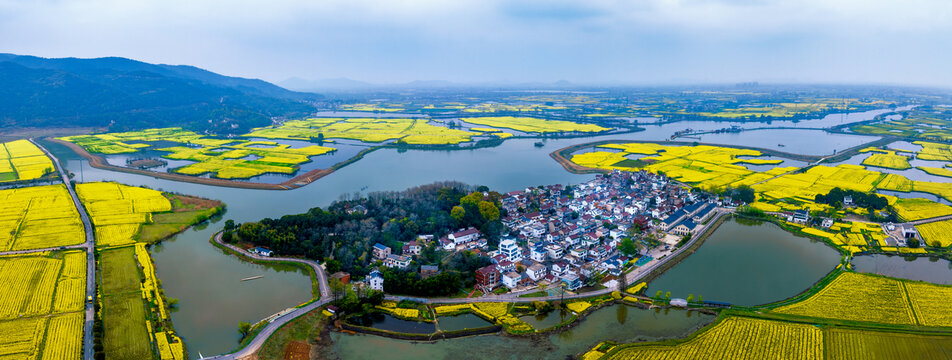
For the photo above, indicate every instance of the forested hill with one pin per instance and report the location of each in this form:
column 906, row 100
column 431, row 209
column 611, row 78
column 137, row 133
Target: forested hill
column 124, row 94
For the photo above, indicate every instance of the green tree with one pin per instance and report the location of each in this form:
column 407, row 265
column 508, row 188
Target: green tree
column 658, row 294
column 458, row 213
column 628, row 247
column 472, row 199
column 667, row 295
column 690, row 297
column 337, row 288
column 488, row 210
column 700, row 299
column 244, row 328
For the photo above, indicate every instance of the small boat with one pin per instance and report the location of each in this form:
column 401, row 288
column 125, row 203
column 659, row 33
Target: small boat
column 252, row 278
column 781, row 145
column 539, row 144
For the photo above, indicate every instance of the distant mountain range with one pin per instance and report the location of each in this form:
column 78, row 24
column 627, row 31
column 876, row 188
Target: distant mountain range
column 349, row 85
column 121, row 94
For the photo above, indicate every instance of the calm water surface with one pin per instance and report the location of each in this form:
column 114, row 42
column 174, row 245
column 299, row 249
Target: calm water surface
column 620, row 323
column 933, row 270
column 748, row 262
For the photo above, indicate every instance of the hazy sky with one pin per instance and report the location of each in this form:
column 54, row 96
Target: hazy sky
column 587, row 41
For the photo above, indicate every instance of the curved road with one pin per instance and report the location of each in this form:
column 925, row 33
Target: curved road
column 90, row 246
column 276, row 323
column 279, row 321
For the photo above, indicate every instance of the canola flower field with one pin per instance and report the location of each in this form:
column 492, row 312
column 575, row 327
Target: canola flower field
column 886, row 159
column 38, row 217
column 857, row 297
column 704, row 166
column 533, row 125
column 118, row 211
column 132, row 141
column 241, row 159
column 848, row 344
column 934, row 151
column 870, row 298
column 737, row 337
column 222, row 158
column 936, row 232
column 21, row 160
column 374, row 130
column 936, row 171
column 41, row 303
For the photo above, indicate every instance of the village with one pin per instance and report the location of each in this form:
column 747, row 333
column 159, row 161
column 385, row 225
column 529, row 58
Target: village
column 567, row 238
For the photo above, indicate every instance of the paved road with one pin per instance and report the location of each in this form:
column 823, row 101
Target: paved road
column 276, row 323
column 929, row 220
column 90, row 246
column 261, row 337
column 21, row 252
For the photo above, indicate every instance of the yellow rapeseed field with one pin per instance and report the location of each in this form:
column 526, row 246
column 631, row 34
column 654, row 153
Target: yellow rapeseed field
column 917, row 209
column 931, row 303
column 534, row 125
column 934, row 151
column 451, row 309
column 709, row 167
column 32, row 285
column 849, row 344
column 937, row 232
column 406, row 130
column 889, row 160
column 493, row 310
column 857, row 297
column 936, row 171
column 38, row 217
column 738, row 338
column 118, row 210
column 579, row 306
column 22, row 339
column 41, row 296
column 64, row 339
column 21, row 160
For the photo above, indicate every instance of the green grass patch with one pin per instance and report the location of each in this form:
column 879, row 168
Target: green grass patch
column 535, row 294
column 119, row 271
column 632, row 163
column 306, row 329
column 186, row 211
column 125, row 335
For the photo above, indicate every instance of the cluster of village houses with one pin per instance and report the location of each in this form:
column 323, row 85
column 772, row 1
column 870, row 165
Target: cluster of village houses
column 565, row 237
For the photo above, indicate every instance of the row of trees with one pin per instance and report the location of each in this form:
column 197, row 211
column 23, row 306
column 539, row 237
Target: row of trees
column 860, row 199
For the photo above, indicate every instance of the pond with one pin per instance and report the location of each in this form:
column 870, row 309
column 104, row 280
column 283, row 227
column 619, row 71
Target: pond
column 460, row 322
column 548, row 320
column 748, row 262
column 934, row 270
column 619, row 323
column 378, row 320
